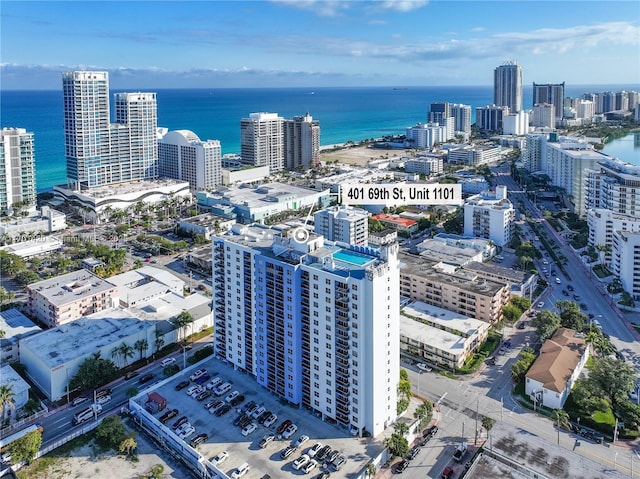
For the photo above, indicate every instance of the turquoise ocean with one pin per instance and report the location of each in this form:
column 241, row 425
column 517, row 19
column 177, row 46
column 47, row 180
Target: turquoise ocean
column 344, row 113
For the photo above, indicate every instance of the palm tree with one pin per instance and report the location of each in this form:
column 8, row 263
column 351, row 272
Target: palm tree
column 401, row 428
column 488, row 423
column 371, row 470
column 562, row 418
column 181, row 321
column 7, row 400
column 128, row 445
column 404, row 389
column 159, row 342
column 116, row 353
column 141, row 345
column 127, row 352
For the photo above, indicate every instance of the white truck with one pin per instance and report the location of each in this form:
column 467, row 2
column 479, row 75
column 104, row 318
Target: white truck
column 87, row 414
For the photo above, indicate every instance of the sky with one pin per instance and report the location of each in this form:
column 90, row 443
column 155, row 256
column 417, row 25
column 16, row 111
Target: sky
column 316, row 43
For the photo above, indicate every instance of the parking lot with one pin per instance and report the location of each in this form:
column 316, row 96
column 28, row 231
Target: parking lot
column 223, row 435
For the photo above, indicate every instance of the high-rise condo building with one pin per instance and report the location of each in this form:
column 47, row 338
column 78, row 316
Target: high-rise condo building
column 544, row 115
column 17, row 170
column 183, row 156
column 314, row 322
column 507, row 86
column 302, row 142
column 490, row 117
column 551, row 93
column 100, row 153
column 262, row 140
column 438, row 112
column 343, row 223
column 462, row 117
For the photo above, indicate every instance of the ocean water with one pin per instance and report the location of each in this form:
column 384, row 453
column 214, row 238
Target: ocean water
column 344, row 113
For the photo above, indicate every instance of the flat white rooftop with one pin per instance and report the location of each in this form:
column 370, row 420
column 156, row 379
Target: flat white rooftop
column 71, row 287
column 15, row 324
column 443, row 317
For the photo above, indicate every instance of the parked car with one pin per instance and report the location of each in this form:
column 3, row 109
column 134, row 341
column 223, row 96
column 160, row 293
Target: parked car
column 402, row 466
column 181, row 385
column 79, row 400
column 271, row 419
column 202, row 379
column 232, row 396
column 197, row 374
column 309, row 466
column 168, row 415
column 322, row 454
column 332, row 456
column 219, row 458
column 300, row 441
column 199, row 439
column 423, row 367
column 263, row 417
column 264, row 442
column 146, row 378
column 447, row 473
column 290, row 431
column 247, row 406
column 215, row 382
column 131, row 375
column 287, row 451
column 179, row 422
column 249, row 428
column 203, row 395
column 300, row 462
column 338, row 462
column 237, row 400
column 258, row 412
column 187, row 432
column 214, row 403
column 413, row 452
column 313, row 450
column 223, row 410
column 240, row 471
column 285, row 424
column 430, row 432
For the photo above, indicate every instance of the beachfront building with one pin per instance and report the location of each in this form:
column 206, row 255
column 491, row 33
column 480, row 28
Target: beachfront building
column 462, row 118
column 440, row 336
column 262, row 141
column 452, row 288
column 489, row 215
column 342, row 223
column 17, row 171
column 67, row 297
column 183, row 156
column 423, row 136
column 490, row 117
column 507, row 86
column 301, row 143
column 543, row 116
column 53, row 357
column 550, row 94
column 559, row 364
column 16, row 326
column 568, row 162
column 474, row 155
column 315, row 322
column 101, row 153
column 257, row 203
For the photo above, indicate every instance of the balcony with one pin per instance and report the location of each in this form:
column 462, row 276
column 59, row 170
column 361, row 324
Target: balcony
column 342, row 390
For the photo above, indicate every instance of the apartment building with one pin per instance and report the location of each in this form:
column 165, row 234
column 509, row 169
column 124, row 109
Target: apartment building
column 425, row 135
column 544, row 115
column 507, row 86
column 67, row 297
column 455, row 289
column 343, row 223
column 262, row 140
column 625, row 260
column 489, row 215
column 301, row 142
column 183, row 156
column 552, row 94
column 314, row 322
column 614, row 185
column 17, row 170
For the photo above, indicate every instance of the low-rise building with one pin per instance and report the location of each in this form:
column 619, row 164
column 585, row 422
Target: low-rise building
column 34, row 247
column 67, row 297
column 19, row 387
column 48, row 221
column 145, row 284
column 206, row 225
column 343, row 223
column 490, row 215
column 397, row 222
column 553, row 374
column 244, row 174
column 520, row 283
column 15, row 326
column 452, row 288
column 440, row 336
column 53, row 357
column 474, row 155
column 256, row 204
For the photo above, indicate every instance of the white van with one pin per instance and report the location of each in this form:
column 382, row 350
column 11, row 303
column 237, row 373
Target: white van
column 241, row 470
column 167, row 361
column 222, row 389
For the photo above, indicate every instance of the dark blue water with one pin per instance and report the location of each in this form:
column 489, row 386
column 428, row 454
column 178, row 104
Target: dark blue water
column 344, row 114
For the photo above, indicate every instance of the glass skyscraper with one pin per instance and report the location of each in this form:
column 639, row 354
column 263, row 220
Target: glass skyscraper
column 507, row 86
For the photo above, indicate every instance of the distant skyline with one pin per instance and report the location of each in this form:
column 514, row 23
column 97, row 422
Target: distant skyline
column 318, row 43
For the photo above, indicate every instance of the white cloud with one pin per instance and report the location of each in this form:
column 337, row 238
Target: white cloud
column 401, row 5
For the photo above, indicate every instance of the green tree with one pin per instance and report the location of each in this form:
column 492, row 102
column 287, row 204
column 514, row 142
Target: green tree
column 397, row 444
column 25, row 448
column 158, row 342
column 6, row 296
column 546, row 323
column 511, row 313
column 521, row 366
column 570, row 315
column 7, row 400
column 487, row 424
column 423, row 411
column 156, row 471
column 141, row 345
column 170, row 370
column 92, row 373
column 586, row 398
column 26, row 276
column 182, row 320
column 629, row 413
column 127, row 352
column 128, row 445
column 10, row 263
column 401, row 427
column 562, row 418
column 614, row 378
column 110, row 432
column 520, row 302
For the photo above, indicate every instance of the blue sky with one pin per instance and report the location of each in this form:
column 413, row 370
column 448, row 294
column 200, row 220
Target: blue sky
column 282, row 43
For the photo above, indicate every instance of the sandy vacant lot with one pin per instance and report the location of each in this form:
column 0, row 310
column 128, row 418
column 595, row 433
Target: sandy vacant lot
column 86, row 463
column 359, row 155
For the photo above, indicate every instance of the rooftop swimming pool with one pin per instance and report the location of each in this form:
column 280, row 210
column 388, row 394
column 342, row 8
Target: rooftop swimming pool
column 352, row 257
